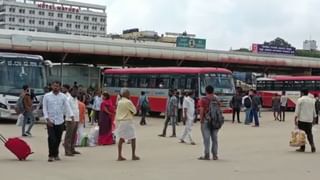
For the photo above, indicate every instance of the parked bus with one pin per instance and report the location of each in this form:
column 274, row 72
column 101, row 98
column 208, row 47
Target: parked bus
column 17, row 70
column 157, row 82
column 292, row 85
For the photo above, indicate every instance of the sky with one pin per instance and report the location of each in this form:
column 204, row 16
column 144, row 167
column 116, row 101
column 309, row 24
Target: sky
column 225, row 24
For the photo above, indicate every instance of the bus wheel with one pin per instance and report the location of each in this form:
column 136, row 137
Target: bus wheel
column 152, row 113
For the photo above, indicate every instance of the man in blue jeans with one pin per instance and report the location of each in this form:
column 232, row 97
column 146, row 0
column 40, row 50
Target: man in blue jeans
column 247, row 102
column 208, row 133
column 27, row 114
column 254, row 108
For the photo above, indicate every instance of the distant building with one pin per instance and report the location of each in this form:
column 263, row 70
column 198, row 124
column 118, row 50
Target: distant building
column 56, row 16
column 310, row 45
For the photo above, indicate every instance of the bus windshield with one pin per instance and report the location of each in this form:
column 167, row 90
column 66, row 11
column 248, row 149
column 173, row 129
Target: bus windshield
column 14, row 73
column 222, row 83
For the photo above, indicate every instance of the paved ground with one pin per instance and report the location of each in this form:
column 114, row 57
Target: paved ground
column 245, row 153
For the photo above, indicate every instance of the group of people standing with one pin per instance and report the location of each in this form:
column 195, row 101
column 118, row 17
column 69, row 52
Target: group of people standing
column 279, row 106
column 252, row 104
column 63, row 108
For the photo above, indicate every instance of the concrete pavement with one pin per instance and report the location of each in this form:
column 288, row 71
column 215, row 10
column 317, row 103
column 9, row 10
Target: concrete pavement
column 245, row 153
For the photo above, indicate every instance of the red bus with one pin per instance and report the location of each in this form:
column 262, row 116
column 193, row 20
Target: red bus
column 292, row 85
column 157, row 82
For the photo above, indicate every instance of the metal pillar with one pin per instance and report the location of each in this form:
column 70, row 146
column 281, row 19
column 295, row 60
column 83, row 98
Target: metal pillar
column 61, row 66
column 179, row 62
column 125, row 61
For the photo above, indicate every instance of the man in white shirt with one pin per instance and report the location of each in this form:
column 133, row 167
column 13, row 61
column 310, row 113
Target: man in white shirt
column 96, row 106
column 71, row 124
column 304, row 117
column 54, row 106
column 283, row 107
column 188, row 115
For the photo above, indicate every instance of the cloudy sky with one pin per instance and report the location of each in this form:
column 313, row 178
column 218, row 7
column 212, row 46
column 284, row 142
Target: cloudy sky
column 224, row 23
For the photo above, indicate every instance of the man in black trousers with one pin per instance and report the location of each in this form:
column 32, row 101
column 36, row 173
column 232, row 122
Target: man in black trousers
column 304, row 117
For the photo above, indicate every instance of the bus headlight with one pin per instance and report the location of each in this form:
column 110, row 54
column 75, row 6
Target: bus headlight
column 3, row 106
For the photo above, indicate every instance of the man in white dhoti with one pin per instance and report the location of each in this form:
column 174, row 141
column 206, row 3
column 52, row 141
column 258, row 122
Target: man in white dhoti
column 188, row 115
column 126, row 130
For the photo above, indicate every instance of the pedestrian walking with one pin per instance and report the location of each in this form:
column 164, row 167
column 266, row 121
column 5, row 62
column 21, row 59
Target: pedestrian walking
column 209, row 134
column 260, row 105
column 254, row 108
column 247, row 103
column 126, row 129
column 180, row 97
column 89, row 104
column 143, row 106
column 106, row 121
column 304, row 116
column 27, row 101
column 96, row 107
column 55, row 104
column 276, row 105
column 71, row 124
column 171, row 114
column 82, row 118
column 317, row 106
column 188, row 116
column 235, row 104
column 283, row 107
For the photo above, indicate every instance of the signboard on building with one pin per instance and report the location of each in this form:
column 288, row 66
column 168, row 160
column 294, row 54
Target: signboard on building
column 59, row 8
column 262, row 48
column 188, row 42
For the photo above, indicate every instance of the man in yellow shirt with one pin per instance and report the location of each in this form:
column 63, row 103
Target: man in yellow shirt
column 126, row 130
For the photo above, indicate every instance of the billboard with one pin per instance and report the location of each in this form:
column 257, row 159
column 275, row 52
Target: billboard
column 261, row 48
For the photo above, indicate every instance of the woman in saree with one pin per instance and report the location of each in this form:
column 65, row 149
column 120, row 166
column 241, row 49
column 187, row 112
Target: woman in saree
column 106, row 121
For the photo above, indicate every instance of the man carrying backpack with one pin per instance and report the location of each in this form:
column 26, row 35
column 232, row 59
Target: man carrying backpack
column 211, row 120
column 24, row 105
column 255, row 102
column 143, row 105
column 246, row 101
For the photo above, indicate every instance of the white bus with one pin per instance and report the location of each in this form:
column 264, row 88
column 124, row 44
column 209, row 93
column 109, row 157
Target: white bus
column 17, row 70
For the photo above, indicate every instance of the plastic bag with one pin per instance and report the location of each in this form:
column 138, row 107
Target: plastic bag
column 79, row 135
column 20, row 120
column 93, row 136
column 92, row 114
column 298, row 138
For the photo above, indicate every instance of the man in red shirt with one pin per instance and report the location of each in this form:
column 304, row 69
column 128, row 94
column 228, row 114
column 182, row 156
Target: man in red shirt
column 207, row 132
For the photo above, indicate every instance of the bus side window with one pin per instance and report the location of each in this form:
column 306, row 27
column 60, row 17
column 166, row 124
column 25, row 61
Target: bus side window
column 317, row 85
column 191, row 83
column 132, row 82
column 152, row 83
column 116, row 81
column 143, row 82
column 162, row 83
column 108, row 81
column 123, row 82
column 174, row 83
column 310, row 85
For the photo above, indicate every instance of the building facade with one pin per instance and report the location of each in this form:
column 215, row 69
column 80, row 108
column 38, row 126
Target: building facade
column 56, row 16
column 310, row 45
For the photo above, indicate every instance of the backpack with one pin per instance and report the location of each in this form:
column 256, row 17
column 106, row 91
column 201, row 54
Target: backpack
column 247, row 102
column 19, row 105
column 145, row 104
column 214, row 115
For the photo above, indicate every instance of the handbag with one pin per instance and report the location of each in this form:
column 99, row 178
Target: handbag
column 20, row 120
column 298, row 138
